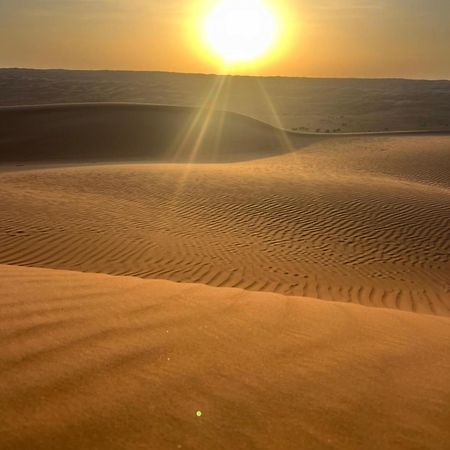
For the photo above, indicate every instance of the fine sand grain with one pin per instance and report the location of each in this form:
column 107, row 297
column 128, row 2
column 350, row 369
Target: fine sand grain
column 99, row 362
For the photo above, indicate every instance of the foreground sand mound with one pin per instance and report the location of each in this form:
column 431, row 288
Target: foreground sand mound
column 92, row 361
column 112, row 132
column 363, row 220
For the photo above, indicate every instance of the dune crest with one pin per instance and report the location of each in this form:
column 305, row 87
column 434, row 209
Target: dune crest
column 124, row 132
column 112, row 132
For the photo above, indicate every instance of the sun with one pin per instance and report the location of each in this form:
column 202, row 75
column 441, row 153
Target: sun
column 240, row 31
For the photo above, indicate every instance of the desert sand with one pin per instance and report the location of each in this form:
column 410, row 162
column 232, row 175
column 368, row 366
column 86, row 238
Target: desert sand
column 159, row 262
column 357, row 218
column 93, row 361
column 304, row 104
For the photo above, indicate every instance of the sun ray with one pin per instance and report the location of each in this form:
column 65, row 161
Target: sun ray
column 284, row 134
column 191, row 142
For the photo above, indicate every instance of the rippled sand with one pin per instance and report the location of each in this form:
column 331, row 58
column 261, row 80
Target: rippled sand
column 211, row 332
column 362, row 219
column 98, row 362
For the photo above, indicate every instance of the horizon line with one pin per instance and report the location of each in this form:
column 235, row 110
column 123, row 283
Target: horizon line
column 223, row 75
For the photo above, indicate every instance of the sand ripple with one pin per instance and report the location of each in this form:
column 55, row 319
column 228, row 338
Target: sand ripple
column 97, row 362
column 349, row 220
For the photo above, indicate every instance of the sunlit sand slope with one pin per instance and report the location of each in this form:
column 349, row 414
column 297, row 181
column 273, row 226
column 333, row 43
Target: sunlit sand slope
column 92, row 361
column 112, row 132
column 363, row 220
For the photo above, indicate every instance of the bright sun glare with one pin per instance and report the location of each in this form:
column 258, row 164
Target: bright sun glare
column 240, row 31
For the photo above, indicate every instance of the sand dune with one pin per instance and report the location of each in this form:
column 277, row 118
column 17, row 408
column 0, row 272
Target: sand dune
column 114, row 132
column 331, row 104
column 92, row 361
column 125, row 132
column 94, row 132
column 361, row 219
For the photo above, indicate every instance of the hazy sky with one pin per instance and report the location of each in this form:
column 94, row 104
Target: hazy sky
column 354, row 38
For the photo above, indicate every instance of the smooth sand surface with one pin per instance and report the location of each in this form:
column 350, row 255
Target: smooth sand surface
column 99, row 362
column 124, row 132
column 361, row 219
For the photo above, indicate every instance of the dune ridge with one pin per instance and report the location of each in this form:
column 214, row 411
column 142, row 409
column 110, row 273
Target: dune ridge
column 112, row 132
column 131, row 131
column 94, row 361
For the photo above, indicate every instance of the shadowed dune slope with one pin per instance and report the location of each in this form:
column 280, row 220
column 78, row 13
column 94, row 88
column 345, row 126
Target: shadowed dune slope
column 108, row 132
column 92, row 361
column 112, row 132
column 363, row 220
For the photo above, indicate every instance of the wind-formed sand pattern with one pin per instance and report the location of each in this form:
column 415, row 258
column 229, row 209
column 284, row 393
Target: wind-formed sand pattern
column 226, row 227
column 91, row 361
column 223, row 235
column 360, row 219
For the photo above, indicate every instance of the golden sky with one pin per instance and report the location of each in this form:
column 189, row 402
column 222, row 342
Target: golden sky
column 321, row 38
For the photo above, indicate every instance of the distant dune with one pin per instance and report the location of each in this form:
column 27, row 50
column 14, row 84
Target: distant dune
column 303, row 104
column 98, row 362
